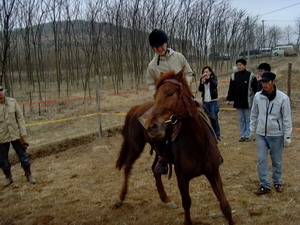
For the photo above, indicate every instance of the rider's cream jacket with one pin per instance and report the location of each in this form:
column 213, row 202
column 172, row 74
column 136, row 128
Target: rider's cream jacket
column 171, row 61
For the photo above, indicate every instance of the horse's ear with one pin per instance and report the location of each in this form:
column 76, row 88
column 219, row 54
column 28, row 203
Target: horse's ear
column 179, row 74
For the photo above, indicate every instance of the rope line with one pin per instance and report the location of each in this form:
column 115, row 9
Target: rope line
column 95, row 114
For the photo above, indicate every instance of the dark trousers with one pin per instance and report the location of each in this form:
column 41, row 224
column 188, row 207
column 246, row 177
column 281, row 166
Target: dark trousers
column 213, row 108
column 21, row 152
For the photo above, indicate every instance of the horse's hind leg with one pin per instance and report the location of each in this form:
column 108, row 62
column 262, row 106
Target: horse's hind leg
column 124, row 189
column 118, row 202
column 160, row 187
column 135, row 151
column 216, row 184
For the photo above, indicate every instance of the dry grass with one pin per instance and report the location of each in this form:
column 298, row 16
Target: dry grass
column 78, row 185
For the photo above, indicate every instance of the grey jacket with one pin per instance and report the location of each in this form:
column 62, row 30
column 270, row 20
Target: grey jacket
column 171, row 61
column 12, row 124
column 271, row 118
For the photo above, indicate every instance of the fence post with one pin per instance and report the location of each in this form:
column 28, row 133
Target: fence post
column 289, row 80
column 24, row 110
column 98, row 104
column 30, row 101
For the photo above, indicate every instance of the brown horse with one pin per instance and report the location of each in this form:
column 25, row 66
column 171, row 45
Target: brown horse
column 194, row 149
column 134, row 139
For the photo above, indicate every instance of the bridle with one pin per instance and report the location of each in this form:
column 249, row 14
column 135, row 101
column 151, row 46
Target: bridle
column 175, row 118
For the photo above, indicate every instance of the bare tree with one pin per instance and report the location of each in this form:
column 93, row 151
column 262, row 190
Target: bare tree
column 201, row 21
column 32, row 18
column 218, row 33
column 287, row 32
column 235, row 33
column 113, row 53
column 55, row 9
column 71, row 42
column 274, row 34
column 90, row 42
column 298, row 30
column 6, row 27
column 110, row 38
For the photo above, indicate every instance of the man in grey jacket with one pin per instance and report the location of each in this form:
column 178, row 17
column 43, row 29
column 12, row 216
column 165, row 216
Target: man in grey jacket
column 12, row 131
column 271, row 120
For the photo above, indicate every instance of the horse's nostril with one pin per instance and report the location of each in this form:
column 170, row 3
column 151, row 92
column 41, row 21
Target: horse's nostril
column 152, row 127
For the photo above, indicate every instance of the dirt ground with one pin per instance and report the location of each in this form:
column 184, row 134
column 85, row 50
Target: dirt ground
column 77, row 180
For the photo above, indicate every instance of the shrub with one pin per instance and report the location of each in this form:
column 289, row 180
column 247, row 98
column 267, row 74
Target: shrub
column 289, row 52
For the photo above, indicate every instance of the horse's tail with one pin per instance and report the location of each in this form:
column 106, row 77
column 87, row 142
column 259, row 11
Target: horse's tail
column 123, row 155
column 134, row 139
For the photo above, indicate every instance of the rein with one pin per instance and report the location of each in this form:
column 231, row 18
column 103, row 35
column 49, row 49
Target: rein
column 174, row 118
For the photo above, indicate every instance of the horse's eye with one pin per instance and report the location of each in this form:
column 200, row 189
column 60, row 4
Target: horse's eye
column 170, row 94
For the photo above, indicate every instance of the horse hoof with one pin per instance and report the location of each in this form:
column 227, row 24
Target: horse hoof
column 117, row 202
column 171, row 205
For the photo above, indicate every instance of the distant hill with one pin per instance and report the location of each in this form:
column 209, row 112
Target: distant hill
column 78, row 27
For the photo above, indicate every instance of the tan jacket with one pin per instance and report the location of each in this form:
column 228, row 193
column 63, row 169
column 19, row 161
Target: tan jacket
column 171, row 61
column 12, row 123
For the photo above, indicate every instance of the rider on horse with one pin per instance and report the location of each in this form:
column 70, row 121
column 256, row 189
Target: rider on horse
column 165, row 59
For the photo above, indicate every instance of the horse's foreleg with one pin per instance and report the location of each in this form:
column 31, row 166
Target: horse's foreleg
column 160, row 187
column 183, row 184
column 216, row 184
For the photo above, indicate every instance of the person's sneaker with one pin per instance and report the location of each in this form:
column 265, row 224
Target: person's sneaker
column 279, row 187
column 161, row 167
column 242, row 139
column 31, row 179
column 7, row 181
column 247, row 140
column 262, row 190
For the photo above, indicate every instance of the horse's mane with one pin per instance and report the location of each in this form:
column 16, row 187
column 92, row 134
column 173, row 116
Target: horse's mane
column 172, row 75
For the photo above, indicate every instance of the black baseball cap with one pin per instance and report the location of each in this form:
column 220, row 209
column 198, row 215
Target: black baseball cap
column 267, row 76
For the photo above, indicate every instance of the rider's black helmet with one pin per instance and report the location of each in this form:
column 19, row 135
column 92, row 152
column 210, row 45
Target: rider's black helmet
column 158, row 38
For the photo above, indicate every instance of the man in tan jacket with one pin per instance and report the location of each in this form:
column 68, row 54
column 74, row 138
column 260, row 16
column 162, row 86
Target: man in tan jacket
column 12, row 130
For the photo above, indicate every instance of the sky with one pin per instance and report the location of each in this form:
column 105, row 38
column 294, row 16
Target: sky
column 274, row 12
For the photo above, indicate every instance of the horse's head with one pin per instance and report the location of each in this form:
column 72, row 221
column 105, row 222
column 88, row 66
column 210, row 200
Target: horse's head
column 173, row 101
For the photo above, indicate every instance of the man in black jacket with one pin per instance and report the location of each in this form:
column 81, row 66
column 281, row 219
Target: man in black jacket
column 242, row 88
column 263, row 67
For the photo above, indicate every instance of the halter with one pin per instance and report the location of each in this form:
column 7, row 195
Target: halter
column 174, row 118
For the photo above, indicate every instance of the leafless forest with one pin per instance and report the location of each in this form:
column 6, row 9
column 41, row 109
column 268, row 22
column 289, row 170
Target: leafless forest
column 66, row 43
